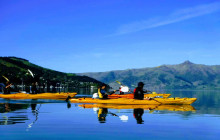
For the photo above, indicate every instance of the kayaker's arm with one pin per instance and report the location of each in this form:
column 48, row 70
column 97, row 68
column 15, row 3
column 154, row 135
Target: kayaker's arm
column 112, row 92
column 146, row 91
column 8, row 86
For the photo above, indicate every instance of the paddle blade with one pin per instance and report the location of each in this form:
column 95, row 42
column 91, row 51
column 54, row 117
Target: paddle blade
column 95, row 95
column 124, row 89
column 31, row 73
column 119, row 82
column 5, row 78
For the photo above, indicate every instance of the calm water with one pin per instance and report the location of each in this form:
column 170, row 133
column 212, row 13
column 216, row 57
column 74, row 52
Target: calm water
column 51, row 119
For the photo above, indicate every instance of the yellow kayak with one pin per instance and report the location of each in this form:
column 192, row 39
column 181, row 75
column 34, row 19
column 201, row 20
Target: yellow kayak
column 154, row 101
column 38, row 96
column 146, row 107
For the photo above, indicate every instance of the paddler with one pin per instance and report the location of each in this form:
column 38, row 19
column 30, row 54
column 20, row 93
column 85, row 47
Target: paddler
column 103, row 94
column 34, row 88
column 139, row 92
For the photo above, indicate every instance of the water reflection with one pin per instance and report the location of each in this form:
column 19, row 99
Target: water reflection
column 102, row 113
column 138, row 115
column 35, row 112
column 208, row 101
column 68, row 104
column 145, row 107
column 14, row 113
column 7, row 107
column 7, row 119
column 138, row 110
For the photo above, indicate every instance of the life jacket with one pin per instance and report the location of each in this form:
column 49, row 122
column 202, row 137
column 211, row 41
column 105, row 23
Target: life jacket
column 99, row 93
column 138, row 93
column 135, row 90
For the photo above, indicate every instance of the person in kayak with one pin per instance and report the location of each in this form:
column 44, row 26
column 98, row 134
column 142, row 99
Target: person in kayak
column 34, row 88
column 139, row 92
column 103, row 94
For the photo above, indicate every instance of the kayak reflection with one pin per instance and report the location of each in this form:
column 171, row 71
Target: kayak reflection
column 138, row 110
column 7, row 118
column 145, row 107
column 103, row 112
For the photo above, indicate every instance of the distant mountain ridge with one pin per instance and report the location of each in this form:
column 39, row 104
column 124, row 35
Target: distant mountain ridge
column 186, row 75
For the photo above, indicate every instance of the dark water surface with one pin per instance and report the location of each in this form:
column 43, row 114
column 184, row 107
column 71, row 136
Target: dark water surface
column 51, row 119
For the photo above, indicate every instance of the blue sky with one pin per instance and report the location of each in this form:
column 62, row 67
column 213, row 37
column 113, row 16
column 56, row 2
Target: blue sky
column 102, row 35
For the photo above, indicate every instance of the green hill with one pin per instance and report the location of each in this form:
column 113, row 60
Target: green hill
column 16, row 70
column 186, row 75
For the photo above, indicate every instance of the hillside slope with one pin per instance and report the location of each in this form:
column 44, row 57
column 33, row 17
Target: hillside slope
column 16, row 70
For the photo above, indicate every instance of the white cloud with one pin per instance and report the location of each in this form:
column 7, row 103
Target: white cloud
column 177, row 16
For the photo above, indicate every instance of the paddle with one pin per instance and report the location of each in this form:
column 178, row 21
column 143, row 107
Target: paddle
column 8, row 84
column 146, row 90
column 126, row 87
column 119, row 82
column 33, row 87
column 123, row 87
column 152, row 92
